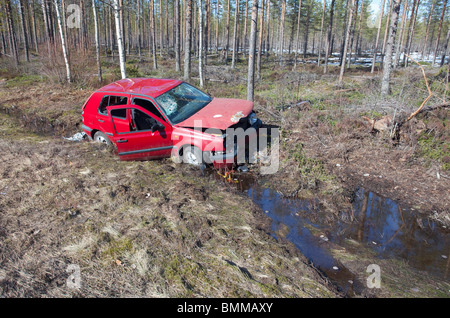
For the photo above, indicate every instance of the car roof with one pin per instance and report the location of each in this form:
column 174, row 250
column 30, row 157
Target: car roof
column 152, row 87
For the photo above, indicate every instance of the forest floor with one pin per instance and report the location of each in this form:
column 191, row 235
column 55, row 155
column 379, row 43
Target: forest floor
column 159, row 229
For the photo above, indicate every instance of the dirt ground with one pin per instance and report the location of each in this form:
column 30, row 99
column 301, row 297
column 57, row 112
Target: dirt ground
column 158, row 229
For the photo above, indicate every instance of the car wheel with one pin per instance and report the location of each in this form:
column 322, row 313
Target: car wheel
column 193, row 156
column 102, row 138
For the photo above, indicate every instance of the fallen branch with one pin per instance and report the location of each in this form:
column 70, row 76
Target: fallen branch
column 428, row 88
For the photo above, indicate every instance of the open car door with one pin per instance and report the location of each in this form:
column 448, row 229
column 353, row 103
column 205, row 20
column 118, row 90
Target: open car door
column 139, row 134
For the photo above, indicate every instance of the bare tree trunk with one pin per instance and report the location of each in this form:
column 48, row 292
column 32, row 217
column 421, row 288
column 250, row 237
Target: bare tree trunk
column 117, row 10
column 252, row 51
column 12, row 33
column 408, row 35
column 217, row 25
column 390, row 3
column 347, row 38
column 281, row 39
column 321, row 32
column 47, row 27
column 20, row 9
column 330, row 32
column 268, row 28
column 413, row 27
column 200, row 42
column 260, row 44
column 97, row 44
column 245, row 28
column 206, row 31
column 378, row 38
column 227, row 46
column 445, row 48
column 187, row 50
column 63, row 42
column 355, row 12
column 308, row 17
column 428, row 29
column 138, row 22
column 177, row 23
column 153, row 32
column 385, row 82
column 439, row 32
column 401, row 35
column 236, row 20
column 358, row 38
column 297, row 36
column 33, row 22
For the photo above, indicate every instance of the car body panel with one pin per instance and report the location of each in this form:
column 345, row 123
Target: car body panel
column 140, row 144
column 220, row 113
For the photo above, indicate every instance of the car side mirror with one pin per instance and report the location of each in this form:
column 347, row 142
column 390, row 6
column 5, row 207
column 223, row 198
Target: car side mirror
column 157, row 126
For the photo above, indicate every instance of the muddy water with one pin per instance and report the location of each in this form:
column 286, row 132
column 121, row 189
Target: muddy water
column 388, row 229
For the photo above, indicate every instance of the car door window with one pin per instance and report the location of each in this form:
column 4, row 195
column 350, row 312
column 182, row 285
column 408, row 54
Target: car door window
column 148, row 105
column 141, row 120
column 111, row 100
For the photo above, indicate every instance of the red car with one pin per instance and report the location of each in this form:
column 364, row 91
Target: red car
column 150, row 118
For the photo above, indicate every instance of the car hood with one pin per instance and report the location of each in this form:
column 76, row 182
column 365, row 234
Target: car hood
column 220, row 113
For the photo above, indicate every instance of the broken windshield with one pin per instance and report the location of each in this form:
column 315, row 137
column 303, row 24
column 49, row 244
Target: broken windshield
column 182, row 101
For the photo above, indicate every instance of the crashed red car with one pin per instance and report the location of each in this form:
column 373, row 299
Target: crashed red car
column 150, row 118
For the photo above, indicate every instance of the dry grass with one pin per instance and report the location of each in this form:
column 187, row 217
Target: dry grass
column 152, row 229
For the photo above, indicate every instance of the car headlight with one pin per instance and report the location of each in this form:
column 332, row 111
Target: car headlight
column 252, row 118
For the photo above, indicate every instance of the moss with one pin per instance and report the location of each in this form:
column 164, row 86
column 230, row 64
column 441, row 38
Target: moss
column 434, row 148
column 118, row 248
column 24, row 80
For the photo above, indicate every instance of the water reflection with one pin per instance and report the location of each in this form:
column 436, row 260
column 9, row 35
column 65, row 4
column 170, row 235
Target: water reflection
column 393, row 231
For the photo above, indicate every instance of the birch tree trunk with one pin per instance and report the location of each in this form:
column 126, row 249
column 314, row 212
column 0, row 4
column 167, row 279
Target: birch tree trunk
column 117, row 10
column 385, row 81
column 252, row 51
column 200, row 42
column 153, row 33
column 187, row 50
column 63, row 42
column 97, row 44
column 177, row 36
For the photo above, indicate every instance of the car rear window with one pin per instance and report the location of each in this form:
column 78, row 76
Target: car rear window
column 111, row 100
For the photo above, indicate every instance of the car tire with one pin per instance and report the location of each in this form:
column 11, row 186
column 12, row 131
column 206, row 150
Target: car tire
column 193, row 156
column 102, row 138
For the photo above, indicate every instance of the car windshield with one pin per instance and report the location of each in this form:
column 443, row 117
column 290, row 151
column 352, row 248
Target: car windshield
column 182, row 101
